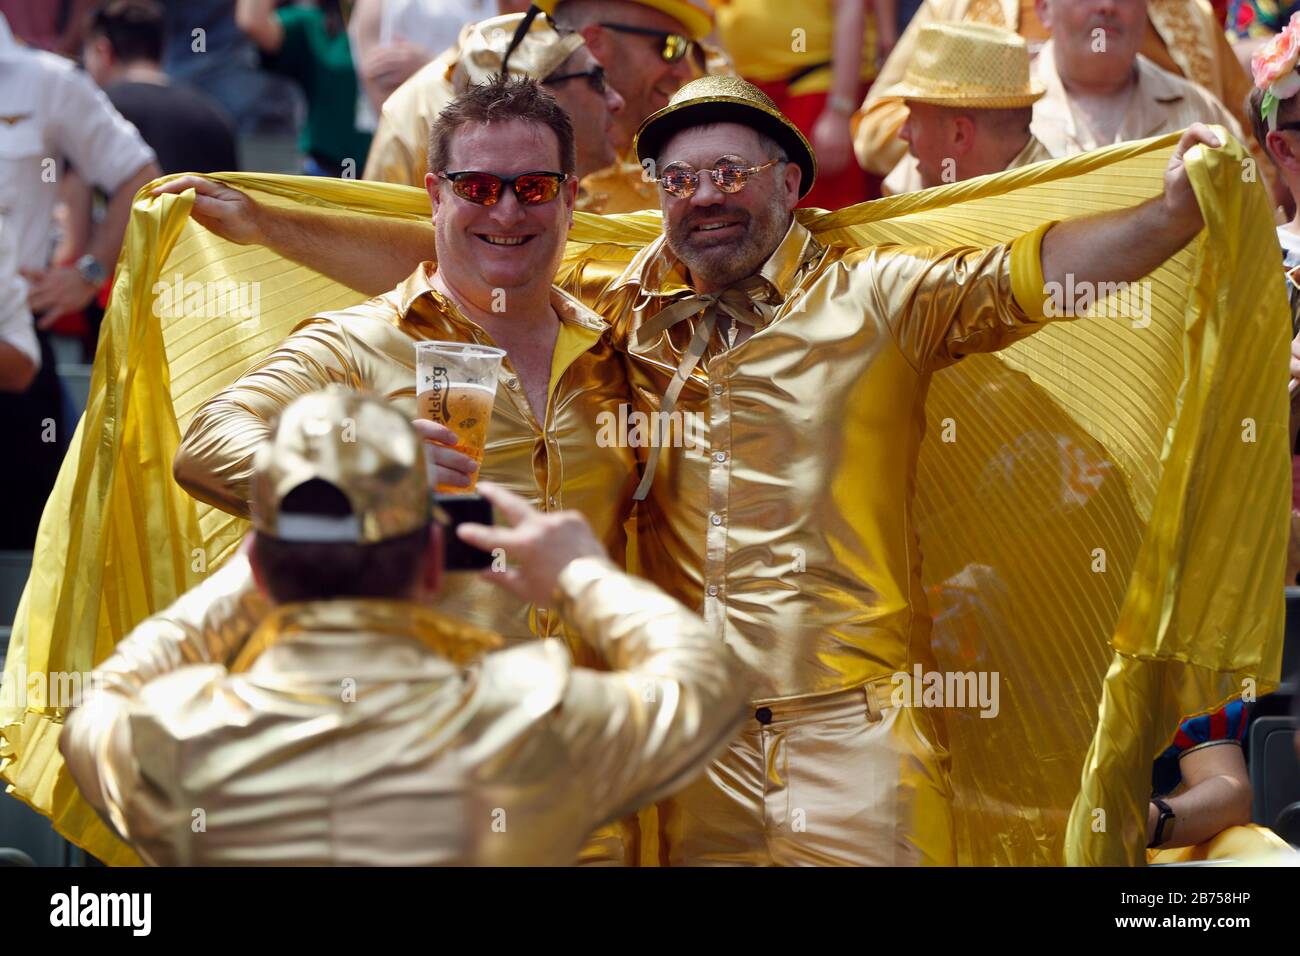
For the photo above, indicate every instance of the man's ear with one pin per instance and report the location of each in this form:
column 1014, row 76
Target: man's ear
column 1279, row 147
column 791, row 178
column 435, row 194
column 431, row 577
column 597, row 41
column 961, row 135
column 1044, row 10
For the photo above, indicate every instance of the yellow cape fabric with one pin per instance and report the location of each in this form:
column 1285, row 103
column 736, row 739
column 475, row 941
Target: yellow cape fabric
column 1102, row 507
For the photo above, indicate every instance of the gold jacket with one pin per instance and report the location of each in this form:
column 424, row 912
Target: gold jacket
column 788, row 521
column 378, row 733
column 554, row 464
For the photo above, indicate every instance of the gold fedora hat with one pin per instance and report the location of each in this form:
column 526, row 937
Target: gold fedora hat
column 483, row 46
column 968, row 64
column 360, row 445
column 725, row 99
column 698, row 24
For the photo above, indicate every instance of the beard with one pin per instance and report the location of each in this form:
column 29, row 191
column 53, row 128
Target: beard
column 720, row 264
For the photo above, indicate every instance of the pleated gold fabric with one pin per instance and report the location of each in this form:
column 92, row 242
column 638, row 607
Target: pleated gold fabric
column 1104, row 526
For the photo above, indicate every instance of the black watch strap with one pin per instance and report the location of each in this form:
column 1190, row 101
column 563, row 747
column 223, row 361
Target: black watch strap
column 1166, row 815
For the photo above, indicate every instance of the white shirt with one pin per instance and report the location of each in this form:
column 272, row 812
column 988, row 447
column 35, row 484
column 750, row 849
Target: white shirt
column 1289, row 240
column 432, row 24
column 16, row 326
column 49, row 111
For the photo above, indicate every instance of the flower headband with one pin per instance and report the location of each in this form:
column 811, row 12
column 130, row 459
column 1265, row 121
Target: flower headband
column 1274, row 69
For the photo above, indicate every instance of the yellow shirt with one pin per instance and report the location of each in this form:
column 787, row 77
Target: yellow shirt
column 422, row 765
column 788, row 522
column 556, row 463
column 775, row 39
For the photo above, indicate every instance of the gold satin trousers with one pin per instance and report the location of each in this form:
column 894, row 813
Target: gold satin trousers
column 840, row 779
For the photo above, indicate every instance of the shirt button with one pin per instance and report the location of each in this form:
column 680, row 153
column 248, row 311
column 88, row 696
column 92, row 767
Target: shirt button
column 513, row 384
column 713, row 590
column 717, row 389
column 715, row 520
column 554, row 503
column 763, row 715
column 719, row 456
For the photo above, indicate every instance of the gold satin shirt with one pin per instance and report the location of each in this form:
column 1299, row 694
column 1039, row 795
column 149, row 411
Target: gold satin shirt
column 789, row 523
column 555, row 464
column 371, row 732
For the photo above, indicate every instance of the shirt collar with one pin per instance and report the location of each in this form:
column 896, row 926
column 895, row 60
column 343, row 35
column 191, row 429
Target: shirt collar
column 1154, row 94
column 369, row 622
column 658, row 272
column 416, row 292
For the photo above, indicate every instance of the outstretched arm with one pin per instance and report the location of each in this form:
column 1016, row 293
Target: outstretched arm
column 367, row 254
column 1127, row 244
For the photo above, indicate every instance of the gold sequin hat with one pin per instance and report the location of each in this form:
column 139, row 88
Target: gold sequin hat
column 363, row 447
column 970, row 65
column 483, row 45
column 698, row 24
column 725, row 99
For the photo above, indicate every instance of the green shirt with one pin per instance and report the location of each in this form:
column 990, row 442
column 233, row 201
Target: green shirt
column 322, row 64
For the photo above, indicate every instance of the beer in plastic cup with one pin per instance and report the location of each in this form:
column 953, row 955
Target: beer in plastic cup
column 456, row 385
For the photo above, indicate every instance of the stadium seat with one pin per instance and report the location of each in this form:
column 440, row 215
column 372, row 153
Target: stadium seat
column 1291, row 641
column 1274, row 770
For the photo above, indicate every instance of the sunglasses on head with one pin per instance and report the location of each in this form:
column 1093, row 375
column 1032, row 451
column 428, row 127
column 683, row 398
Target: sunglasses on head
column 595, row 78
column 675, row 46
column 730, row 175
column 484, row 189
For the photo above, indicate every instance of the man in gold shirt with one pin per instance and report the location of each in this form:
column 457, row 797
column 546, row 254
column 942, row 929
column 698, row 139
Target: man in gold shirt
column 969, row 105
column 399, row 152
column 806, row 368
column 359, row 725
column 498, row 247
column 792, row 532
column 1180, row 36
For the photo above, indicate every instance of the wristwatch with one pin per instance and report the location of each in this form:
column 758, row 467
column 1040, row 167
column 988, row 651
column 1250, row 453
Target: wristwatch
column 1164, row 825
column 90, row 269
column 841, row 104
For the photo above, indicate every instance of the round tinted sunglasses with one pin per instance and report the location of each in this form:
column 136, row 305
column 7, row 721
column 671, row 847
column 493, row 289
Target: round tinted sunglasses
column 730, row 176
column 531, row 189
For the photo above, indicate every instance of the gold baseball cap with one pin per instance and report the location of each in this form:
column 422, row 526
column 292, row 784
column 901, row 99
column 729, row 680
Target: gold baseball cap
column 725, row 99
column 357, row 443
column 696, row 21
column 484, row 44
column 971, row 65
